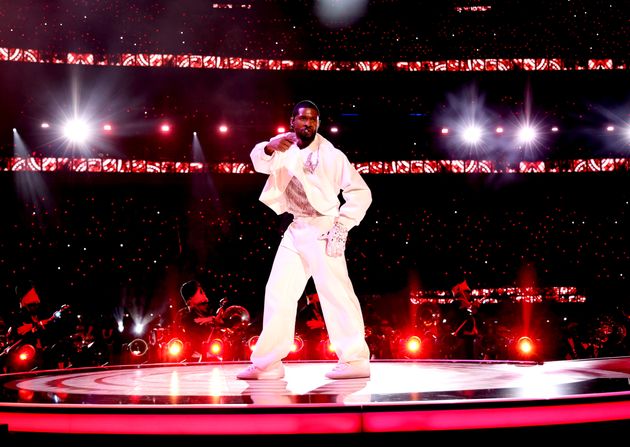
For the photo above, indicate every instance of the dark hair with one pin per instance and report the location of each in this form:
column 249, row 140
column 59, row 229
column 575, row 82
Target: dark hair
column 23, row 288
column 304, row 104
column 189, row 288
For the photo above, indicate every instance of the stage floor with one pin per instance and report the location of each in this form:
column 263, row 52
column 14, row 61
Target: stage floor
column 401, row 397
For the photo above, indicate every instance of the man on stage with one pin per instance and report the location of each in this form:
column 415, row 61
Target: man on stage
column 306, row 174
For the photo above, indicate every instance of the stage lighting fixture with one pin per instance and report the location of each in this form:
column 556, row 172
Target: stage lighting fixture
column 281, row 129
column 526, row 134
column 297, row 350
column 334, row 129
column 45, row 125
column 26, row 354
column 175, row 347
column 444, row 131
column 472, row 135
column 223, row 128
column 414, row 344
column 165, row 128
column 327, row 350
column 107, row 127
column 76, row 131
column 251, row 343
column 525, row 346
column 138, row 328
column 334, row 14
column 298, row 344
column 216, row 347
column 138, row 347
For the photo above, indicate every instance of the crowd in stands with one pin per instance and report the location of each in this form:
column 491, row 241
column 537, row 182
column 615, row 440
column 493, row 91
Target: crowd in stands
column 383, row 30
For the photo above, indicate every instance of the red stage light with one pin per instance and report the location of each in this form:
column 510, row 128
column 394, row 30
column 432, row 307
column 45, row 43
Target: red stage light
column 251, row 343
column 216, row 347
column 414, row 344
column 525, row 346
column 26, row 353
column 24, row 358
column 327, row 350
column 175, row 347
column 298, row 344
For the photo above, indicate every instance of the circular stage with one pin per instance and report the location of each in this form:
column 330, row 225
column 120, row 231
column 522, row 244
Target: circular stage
column 420, row 398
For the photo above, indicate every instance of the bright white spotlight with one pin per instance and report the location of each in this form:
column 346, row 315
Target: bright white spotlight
column 334, row 13
column 471, row 135
column 526, row 134
column 223, row 128
column 76, row 131
column 45, row 125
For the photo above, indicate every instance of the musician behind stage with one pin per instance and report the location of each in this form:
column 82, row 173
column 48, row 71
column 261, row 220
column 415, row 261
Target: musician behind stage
column 197, row 320
column 35, row 325
column 468, row 330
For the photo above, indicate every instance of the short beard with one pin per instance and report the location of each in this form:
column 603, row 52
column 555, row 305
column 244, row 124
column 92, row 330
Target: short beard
column 305, row 141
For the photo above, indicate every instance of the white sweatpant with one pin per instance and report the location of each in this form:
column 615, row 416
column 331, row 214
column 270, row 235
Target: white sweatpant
column 302, row 254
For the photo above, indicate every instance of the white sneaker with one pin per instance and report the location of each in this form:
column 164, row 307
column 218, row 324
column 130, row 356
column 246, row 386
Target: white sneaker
column 355, row 370
column 273, row 372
